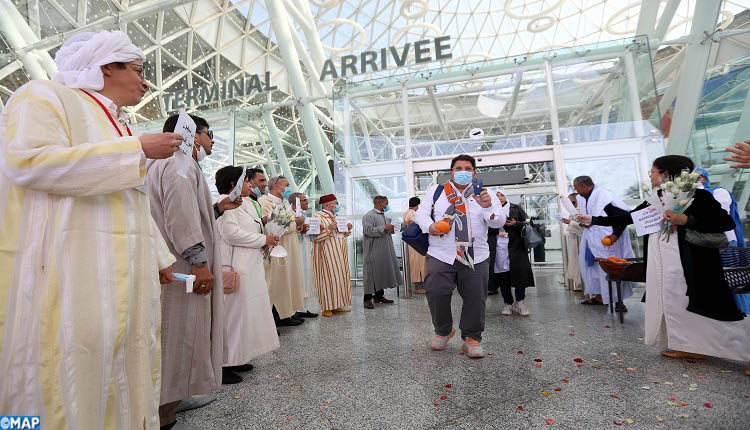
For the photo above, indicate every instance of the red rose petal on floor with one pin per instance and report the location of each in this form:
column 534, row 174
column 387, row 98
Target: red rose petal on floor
column 538, row 360
column 564, row 380
column 701, row 377
column 571, row 334
column 672, row 398
column 490, row 354
column 614, row 396
column 617, row 423
column 578, row 360
column 581, row 365
column 435, row 404
column 558, row 389
column 519, row 408
column 520, row 352
column 538, row 366
column 708, row 405
column 549, row 421
column 443, row 397
column 683, row 404
column 607, row 326
column 448, row 385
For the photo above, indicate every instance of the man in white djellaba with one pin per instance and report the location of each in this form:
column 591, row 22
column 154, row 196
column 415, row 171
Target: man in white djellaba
column 82, row 258
column 596, row 200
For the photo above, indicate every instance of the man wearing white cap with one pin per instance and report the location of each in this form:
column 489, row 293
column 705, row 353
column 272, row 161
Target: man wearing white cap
column 80, row 256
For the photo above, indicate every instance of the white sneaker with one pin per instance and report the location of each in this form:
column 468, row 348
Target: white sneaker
column 440, row 342
column 520, row 309
column 507, row 310
column 472, row 348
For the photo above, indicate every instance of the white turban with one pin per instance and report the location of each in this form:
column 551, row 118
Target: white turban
column 80, row 58
column 500, row 189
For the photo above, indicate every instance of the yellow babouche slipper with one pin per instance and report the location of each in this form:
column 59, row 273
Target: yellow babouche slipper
column 342, row 310
column 327, row 313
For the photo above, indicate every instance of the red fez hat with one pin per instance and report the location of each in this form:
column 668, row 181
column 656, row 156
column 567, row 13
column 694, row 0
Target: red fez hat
column 327, row 198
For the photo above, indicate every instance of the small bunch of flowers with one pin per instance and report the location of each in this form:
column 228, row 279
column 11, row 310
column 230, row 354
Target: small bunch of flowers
column 678, row 193
column 278, row 222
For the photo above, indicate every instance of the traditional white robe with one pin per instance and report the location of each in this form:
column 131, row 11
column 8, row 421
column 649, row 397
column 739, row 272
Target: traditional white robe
column 249, row 330
column 594, row 278
column 192, row 325
column 573, row 233
column 79, row 261
column 284, row 275
column 668, row 322
column 502, row 253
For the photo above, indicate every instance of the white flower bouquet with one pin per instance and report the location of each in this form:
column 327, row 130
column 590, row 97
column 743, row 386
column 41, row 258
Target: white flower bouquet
column 278, row 222
column 677, row 193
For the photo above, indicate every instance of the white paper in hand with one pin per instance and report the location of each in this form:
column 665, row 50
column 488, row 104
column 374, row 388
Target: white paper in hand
column 185, row 127
column 314, row 224
column 647, row 220
column 237, row 190
column 396, row 226
column 568, row 206
column 342, row 225
column 298, row 209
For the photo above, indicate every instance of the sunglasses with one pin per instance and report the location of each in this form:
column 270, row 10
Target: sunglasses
column 210, row 133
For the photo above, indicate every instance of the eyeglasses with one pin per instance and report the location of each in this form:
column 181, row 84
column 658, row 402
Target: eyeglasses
column 210, row 133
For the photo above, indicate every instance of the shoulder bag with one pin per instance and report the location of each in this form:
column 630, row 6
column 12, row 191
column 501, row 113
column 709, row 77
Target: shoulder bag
column 413, row 235
column 706, row 240
column 229, row 276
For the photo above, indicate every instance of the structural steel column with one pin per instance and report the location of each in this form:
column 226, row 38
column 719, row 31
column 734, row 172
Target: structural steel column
column 692, row 75
column 277, row 13
column 273, row 134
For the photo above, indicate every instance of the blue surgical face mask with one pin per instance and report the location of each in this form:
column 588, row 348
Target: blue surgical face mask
column 255, row 191
column 337, row 209
column 386, row 208
column 463, row 178
column 287, row 192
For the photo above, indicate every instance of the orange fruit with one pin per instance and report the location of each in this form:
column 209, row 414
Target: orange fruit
column 607, row 241
column 443, row 226
column 612, row 259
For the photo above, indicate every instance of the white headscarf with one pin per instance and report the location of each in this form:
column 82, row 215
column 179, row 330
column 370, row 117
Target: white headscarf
column 80, row 58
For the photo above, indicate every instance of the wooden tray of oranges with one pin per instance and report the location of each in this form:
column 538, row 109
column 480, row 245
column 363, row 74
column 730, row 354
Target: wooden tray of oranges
column 613, row 266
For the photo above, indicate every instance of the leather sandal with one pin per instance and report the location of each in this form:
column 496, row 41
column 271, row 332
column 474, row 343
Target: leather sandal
column 681, row 354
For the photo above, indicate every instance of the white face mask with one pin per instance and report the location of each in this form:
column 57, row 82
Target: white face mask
column 200, row 154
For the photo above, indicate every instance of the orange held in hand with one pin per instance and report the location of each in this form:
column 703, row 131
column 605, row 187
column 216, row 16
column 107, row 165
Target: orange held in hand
column 443, row 226
column 607, row 241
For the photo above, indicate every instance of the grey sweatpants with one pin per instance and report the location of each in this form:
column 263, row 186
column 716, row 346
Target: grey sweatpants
column 441, row 280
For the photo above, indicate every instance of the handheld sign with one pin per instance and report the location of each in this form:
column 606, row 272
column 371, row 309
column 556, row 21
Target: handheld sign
column 314, row 224
column 396, row 226
column 647, row 220
column 185, row 127
column 237, row 190
column 298, row 209
column 342, row 224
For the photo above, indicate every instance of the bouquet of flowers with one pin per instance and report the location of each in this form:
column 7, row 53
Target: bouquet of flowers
column 278, row 222
column 677, row 193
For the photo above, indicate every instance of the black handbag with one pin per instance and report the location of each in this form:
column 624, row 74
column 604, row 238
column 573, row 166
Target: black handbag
column 531, row 238
column 413, row 235
column 706, row 240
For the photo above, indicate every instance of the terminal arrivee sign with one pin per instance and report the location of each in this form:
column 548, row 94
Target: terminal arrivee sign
column 423, row 51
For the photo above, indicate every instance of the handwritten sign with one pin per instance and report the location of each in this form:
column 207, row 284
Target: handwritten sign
column 314, row 224
column 237, row 190
column 342, row 224
column 647, row 221
column 396, row 226
column 186, row 128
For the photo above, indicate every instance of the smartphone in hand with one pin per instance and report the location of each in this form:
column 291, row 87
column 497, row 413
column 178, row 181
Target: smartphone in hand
column 478, row 185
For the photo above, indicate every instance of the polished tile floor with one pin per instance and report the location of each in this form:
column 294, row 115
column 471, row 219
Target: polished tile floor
column 373, row 369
